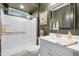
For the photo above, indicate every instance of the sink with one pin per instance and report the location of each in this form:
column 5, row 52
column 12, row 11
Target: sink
column 65, row 41
column 73, row 45
column 61, row 41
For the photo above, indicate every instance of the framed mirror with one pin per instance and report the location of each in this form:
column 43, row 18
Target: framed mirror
column 63, row 17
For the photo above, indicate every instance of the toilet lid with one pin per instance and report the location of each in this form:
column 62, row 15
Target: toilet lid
column 33, row 48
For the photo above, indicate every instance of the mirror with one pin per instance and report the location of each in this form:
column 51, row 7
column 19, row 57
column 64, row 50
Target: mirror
column 63, row 17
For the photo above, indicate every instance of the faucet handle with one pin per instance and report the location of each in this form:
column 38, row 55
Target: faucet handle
column 58, row 35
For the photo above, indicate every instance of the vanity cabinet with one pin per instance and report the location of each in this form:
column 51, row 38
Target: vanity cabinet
column 48, row 48
column 45, row 51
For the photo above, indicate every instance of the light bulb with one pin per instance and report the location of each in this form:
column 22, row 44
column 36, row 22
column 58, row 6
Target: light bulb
column 21, row 6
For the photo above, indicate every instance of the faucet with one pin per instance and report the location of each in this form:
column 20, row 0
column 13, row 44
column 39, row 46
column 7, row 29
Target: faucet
column 58, row 35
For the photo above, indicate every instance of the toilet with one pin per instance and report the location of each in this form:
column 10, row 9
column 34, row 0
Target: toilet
column 34, row 50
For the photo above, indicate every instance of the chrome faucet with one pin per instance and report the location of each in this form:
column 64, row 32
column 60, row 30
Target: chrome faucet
column 58, row 35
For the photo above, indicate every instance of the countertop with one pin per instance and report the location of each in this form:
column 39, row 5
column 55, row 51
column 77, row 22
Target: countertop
column 60, row 41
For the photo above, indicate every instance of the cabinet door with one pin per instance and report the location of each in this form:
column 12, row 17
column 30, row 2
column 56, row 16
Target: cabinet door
column 48, row 48
column 44, row 51
column 53, row 53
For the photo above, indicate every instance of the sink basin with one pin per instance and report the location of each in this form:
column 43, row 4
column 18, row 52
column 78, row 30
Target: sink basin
column 72, row 45
column 65, row 41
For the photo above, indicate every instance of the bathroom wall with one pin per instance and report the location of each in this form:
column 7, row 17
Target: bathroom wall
column 0, row 24
column 74, row 32
column 45, row 28
column 78, row 15
column 0, row 31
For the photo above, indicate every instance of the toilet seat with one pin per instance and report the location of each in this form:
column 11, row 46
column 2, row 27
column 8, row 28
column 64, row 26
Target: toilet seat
column 30, row 50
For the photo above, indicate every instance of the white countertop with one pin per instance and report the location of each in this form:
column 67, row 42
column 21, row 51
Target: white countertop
column 60, row 41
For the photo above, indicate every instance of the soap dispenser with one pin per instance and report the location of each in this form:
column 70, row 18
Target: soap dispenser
column 69, row 36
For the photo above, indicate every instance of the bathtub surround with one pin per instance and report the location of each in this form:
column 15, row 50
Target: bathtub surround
column 20, row 34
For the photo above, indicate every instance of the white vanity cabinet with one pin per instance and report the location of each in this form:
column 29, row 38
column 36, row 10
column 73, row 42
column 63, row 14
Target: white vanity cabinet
column 48, row 48
column 46, row 51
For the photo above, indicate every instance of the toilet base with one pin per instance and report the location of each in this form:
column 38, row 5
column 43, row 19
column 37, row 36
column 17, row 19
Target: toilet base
column 31, row 51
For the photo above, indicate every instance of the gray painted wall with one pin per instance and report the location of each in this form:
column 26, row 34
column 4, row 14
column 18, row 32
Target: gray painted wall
column 45, row 28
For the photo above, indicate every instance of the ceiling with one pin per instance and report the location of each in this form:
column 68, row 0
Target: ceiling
column 43, row 6
column 29, row 7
